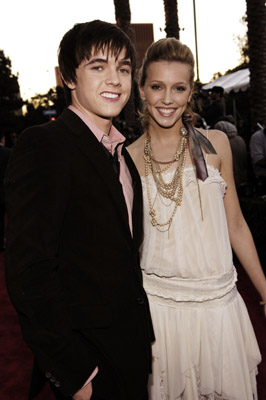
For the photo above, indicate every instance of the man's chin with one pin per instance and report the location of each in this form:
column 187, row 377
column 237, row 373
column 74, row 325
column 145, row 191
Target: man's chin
column 110, row 116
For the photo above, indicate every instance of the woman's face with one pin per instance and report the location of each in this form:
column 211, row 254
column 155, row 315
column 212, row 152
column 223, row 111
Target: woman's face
column 166, row 91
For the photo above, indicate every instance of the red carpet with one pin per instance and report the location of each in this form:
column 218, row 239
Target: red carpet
column 16, row 359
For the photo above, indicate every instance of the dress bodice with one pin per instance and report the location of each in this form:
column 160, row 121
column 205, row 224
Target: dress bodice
column 193, row 247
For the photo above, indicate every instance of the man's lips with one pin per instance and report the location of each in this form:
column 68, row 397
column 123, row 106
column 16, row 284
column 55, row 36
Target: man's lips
column 110, row 95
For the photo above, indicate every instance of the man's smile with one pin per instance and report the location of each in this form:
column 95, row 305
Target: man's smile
column 110, row 95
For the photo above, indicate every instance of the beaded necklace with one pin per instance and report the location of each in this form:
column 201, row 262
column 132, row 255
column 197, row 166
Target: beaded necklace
column 173, row 190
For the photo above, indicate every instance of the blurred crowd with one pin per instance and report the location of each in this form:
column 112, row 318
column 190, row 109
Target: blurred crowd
column 249, row 155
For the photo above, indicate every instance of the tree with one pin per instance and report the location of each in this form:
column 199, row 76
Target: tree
column 39, row 106
column 10, row 100
column 127, row 118
column 243, row 45
column 256, row 18
column 171, row 18
column 123, row 15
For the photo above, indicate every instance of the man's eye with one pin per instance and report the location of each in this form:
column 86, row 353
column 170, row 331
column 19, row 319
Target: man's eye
column 97, row 68
column 124, row 71
column 156, row 87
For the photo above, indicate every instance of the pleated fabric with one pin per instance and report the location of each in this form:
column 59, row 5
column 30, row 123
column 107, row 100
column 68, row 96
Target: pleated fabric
column 205, row 344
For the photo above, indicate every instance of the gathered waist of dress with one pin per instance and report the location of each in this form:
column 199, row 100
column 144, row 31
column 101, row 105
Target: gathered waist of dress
column 190, row 290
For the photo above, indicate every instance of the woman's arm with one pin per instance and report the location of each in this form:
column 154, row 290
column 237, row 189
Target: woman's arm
column 240, row 235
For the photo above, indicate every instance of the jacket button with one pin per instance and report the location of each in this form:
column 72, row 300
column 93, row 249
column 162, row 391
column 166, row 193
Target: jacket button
column 57, row 384
column 140, row 300
column 48, row 375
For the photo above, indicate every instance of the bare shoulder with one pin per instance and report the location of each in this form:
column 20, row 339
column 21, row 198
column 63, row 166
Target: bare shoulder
column 136, row 148
column 136, row 151
column 214, row 136
column 218, row 139
column 221, row 145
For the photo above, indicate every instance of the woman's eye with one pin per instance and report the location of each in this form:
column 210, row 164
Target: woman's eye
column 180, row 88
column 156, row 87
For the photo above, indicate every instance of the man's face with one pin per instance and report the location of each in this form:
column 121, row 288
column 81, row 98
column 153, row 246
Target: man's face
column 103, row 86
column 215, row 96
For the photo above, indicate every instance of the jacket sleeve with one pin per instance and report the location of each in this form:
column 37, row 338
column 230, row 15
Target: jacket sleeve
column 37, row 191
column 257, row 147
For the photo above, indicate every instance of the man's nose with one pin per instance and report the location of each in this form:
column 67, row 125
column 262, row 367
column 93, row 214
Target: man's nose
column 112, row 77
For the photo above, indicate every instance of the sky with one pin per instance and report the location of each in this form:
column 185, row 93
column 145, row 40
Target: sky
column 31, row 30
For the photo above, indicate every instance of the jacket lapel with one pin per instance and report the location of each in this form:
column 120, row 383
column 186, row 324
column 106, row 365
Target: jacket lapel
column 137, row 212
column 92, row 149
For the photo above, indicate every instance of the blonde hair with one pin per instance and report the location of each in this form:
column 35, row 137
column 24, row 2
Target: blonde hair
column 167, row 49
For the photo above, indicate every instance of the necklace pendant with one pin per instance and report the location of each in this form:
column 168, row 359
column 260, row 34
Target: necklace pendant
column 183, row 131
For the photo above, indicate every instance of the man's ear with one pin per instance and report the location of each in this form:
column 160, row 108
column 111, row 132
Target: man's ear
column 70, row 85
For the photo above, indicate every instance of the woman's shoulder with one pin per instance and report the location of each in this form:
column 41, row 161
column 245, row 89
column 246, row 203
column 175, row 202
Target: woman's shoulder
column 137, row 147
column 220, row 142
column 213, row 134
column 136, row 151
column 218, row 139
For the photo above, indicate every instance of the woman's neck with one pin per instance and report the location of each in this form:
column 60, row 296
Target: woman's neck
column 164, row 144
column 165, row 137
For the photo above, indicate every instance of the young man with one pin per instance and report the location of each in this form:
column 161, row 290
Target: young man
column 257, row 146
column 74, row 207
column 216, row 110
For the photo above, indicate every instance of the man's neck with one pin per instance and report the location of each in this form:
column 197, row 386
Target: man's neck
column 104, row 124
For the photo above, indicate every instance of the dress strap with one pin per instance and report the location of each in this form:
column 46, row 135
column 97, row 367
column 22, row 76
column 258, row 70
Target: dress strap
column 206, row 154
column 197, row 142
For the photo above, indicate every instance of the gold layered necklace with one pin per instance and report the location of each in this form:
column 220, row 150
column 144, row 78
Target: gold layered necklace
column 172, row 190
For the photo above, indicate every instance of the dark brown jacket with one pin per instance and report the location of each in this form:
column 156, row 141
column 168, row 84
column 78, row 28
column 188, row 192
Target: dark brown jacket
column 72, row 266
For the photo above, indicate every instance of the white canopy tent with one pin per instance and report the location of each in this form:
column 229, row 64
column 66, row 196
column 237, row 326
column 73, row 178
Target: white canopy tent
column 236, row 81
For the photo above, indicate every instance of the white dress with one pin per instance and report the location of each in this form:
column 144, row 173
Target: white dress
column 205, row 345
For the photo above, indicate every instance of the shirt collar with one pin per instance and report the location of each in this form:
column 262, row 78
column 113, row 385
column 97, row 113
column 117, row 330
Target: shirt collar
column 114, row 136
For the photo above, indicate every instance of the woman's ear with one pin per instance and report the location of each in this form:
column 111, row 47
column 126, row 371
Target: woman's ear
column 142, row 94
column 191, row 93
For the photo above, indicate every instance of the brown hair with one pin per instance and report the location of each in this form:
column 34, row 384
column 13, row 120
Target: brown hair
column 83, row 39
column 167, row 49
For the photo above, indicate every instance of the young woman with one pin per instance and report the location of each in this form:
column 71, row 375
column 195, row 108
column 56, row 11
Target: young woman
column 205, row 345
